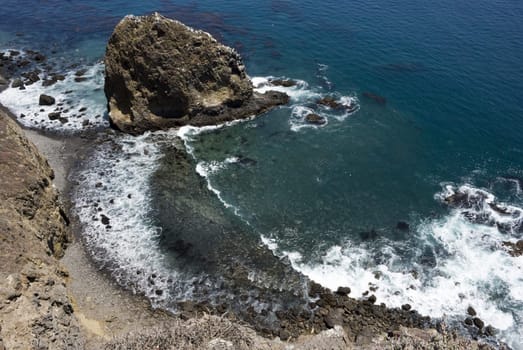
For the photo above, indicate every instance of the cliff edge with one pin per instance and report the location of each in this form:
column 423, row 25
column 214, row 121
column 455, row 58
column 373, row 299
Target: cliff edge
column 35, row 311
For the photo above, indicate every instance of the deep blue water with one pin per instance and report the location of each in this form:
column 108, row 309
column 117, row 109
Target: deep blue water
column 330, row 197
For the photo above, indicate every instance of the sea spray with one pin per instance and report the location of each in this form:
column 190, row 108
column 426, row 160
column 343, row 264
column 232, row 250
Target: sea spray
column 79, row 102
column 469, row 267
column 114, row 182
column 304, row 101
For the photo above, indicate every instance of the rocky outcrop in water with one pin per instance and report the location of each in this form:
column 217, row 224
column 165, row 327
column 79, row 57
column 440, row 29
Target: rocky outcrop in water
column 514, row 249
column 35, row 311
column 161, row 73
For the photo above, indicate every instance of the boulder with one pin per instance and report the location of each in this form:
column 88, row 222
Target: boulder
column 343, row 291
column 54, row 115
column 330, row 102
column 17, row 83
column 402, row 226
column 46, row 100
column 283, row 82
column 471, row 311
column 514, row 249
column 315, row 119
column 160, row 73
column 478, row 322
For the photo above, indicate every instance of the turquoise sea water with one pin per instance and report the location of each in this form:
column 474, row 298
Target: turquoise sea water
column 330, row 198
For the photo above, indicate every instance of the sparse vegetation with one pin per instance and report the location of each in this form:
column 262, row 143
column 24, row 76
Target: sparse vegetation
column 208, row 332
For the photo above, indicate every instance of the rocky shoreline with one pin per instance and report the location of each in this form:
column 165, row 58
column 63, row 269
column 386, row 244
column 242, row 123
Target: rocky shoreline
column 54, row 297
column 70, row 303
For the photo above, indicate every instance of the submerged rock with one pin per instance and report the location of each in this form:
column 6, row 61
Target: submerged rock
column 160, row 73
column 402, row 226
column 315, row 119
column 283, row 82
column 330, row 102
column 376, row 98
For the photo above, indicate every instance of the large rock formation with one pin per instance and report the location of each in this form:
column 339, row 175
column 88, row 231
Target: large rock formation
column 35, row 311
column 160, row 73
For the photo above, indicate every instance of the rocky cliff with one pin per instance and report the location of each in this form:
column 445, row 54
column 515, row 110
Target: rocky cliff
column 160, row 73
column 35, row 311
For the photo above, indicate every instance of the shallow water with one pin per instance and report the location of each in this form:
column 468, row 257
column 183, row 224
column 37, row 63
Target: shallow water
column 329, row 198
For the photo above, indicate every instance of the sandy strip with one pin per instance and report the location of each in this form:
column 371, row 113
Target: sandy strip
column 103, row 308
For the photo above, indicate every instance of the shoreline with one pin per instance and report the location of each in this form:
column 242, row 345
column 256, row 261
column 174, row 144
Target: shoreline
column 108, row 313
column 103, row 308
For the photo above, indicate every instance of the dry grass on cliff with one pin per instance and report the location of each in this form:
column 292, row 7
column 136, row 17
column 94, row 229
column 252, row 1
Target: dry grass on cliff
column 206, row 333
column 414, row 339
column 214, row 333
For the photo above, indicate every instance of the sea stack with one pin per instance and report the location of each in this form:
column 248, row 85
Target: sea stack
column 160, row 73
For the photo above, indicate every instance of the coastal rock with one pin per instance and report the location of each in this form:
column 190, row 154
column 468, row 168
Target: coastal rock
column 514, row 249
column 478, row 322
column 315, row 119
column 54, row 115
column 490, row 331
column 283, row 82
column 160, row 73
column 31, row 77
column 46, row 100
column 343, row 291
column 471, row 311
column 17, row 83
column 34, row 305
column 402, row 226
column 329, row 102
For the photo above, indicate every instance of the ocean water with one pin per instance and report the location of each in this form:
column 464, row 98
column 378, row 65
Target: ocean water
column 326, row 198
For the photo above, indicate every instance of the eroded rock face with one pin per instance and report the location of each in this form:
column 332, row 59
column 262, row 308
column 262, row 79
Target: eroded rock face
column 35, row 311
column 161, row 73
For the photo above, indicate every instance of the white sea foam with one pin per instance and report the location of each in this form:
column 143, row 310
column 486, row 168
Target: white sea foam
column 207, row 169
column 298, row 121
column 303, row 101
column 299, row 92
column 187, row 132
column 117, row 186
column 470, row 268
column 71, row 99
